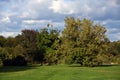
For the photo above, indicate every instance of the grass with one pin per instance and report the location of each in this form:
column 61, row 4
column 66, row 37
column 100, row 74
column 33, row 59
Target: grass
column 60, row 72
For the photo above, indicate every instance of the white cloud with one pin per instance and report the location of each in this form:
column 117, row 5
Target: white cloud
column 38, row 24
column 35, row 21
column 114, row 37
column 70, row 7
column 25, row 15
column 36, row 8
column 5, row 20
column 117, row 36
column 16, row 15
column 59, row 6
column 9, row 34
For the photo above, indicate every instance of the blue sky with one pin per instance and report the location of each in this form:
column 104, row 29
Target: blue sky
column 16, row 15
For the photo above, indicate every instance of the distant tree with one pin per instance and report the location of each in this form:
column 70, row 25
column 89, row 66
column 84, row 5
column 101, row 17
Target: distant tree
column 19, row 51
column 5, row 53
column 114, row 48
column 2, row 55
column 2, row 41
column 28, row 38
column 10, row 42
column 113, row 55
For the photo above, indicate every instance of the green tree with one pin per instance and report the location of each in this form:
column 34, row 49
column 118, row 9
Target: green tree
column 10, row 42
column 19, row 51
column 5, row 53
column 2, row 41
column 28, row 41
column 82, row 42
column 45, row 42
column 113, row 55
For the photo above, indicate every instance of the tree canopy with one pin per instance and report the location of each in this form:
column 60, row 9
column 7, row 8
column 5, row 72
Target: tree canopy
column 81, row 42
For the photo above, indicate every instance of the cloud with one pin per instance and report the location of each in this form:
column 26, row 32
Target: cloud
column 59, row 6
column 5, row 20
column 114, row 37
column 70, row 7
column 9, row 34
column 113, row 28
column 16, row 15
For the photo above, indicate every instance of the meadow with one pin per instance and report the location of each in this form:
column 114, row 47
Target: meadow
column 60, row 72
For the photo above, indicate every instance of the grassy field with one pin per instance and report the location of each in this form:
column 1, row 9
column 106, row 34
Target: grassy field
column 60, row 72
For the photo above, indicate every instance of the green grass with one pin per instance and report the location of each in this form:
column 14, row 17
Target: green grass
column 60, row 72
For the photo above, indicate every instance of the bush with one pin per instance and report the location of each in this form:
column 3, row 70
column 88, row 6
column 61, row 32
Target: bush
column 17, row 61
column 7, row 62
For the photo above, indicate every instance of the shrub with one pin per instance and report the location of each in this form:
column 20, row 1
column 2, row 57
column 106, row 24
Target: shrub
column 7, row 62
column 17, row 61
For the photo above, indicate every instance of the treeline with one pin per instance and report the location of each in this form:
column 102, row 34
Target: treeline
column 81, row 42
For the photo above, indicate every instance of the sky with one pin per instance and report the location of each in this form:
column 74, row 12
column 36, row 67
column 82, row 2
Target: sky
column 16, row 15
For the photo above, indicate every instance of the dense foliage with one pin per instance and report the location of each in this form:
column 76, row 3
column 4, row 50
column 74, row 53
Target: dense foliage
column 81, row 42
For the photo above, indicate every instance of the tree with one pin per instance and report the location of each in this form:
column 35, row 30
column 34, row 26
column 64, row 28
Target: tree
column 28, row 41
column 113, row 55
column 45, row 42
column 19, row 51
column 82, row 42
column 10, row 42
column 5, row 53
column 2, row 41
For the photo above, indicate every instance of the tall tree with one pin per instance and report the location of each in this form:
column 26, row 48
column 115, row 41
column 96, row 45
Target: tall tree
column 28, row 41
column 45, row 42
column 83, row 41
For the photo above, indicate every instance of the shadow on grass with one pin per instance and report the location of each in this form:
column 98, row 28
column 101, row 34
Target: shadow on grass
column 108, row 65
column 105, row 65
column 75, row 65
column 15, row 68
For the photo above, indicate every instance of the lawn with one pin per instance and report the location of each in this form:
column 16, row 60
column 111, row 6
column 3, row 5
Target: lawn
column 60, row 72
